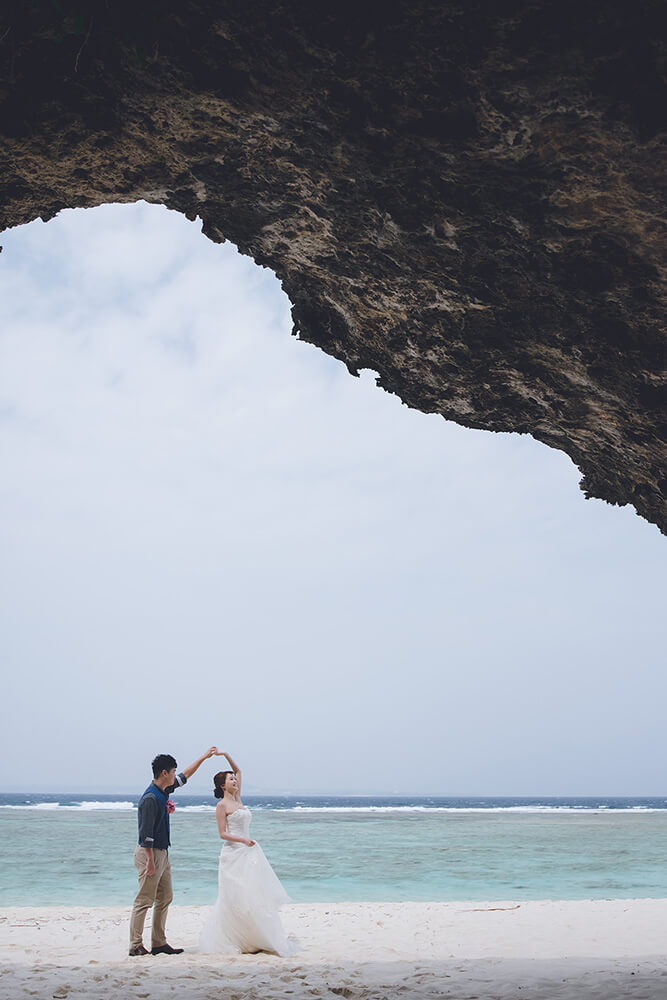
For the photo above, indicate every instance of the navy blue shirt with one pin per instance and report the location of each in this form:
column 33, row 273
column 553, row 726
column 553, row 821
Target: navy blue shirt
column 153, row 816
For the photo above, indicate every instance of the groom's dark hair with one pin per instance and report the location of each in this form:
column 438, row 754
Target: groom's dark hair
column 163, row 762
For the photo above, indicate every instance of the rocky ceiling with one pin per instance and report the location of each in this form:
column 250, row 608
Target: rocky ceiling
column 465, row 197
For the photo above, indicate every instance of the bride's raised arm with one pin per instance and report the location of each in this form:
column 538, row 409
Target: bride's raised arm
column 234, row 766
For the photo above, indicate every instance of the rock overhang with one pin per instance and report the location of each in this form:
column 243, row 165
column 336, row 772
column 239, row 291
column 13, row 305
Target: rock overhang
column 465, row 198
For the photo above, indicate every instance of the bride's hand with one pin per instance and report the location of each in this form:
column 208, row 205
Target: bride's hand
column 249, row 843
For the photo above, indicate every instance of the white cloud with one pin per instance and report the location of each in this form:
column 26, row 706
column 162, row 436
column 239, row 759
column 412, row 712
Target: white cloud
column 202, row 514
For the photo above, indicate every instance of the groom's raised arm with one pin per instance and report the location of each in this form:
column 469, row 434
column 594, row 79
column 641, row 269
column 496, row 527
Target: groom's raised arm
column 190, row 770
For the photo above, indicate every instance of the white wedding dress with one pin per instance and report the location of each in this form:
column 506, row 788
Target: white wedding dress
column 246, row 915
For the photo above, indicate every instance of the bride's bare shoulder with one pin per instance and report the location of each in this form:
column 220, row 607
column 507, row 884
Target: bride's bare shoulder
column 227, row 807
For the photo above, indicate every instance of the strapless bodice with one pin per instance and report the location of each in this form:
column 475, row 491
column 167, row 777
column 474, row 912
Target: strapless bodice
column 238, row 822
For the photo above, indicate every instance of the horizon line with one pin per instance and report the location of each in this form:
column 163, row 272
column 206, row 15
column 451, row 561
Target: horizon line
column 354, row 795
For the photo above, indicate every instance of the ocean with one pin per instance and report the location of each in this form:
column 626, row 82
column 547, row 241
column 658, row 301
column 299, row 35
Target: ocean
column 77, row 849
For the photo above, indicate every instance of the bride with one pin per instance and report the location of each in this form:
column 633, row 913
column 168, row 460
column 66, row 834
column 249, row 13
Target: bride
column 246, row 916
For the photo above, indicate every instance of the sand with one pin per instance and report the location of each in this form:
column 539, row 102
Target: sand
column 538, row 950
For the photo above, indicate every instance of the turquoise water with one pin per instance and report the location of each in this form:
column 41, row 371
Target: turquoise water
column 82, row 854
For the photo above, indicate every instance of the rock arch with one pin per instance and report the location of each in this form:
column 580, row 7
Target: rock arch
column 463, row 196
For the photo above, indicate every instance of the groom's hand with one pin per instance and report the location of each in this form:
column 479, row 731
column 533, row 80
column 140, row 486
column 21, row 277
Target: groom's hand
column 150, row 861
column 211, row 752
column 191, row 768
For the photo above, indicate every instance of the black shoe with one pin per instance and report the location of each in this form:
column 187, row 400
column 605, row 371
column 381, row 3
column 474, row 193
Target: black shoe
column 166, row 949
column 139, row 950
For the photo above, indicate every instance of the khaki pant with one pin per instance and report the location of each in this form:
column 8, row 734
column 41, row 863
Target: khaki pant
column 154, row 890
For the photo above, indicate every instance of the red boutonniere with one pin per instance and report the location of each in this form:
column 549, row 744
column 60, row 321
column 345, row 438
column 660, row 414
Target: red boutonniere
column 170, row 806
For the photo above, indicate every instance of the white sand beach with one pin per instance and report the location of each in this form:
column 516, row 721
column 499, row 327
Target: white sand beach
column 557, row 950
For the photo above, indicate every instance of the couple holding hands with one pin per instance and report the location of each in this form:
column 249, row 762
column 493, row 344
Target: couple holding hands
column 246, row 915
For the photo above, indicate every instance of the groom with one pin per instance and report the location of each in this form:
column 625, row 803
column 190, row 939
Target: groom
column 151, row 856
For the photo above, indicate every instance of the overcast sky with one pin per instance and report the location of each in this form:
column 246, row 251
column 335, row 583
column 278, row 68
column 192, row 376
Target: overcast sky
column 212, row 533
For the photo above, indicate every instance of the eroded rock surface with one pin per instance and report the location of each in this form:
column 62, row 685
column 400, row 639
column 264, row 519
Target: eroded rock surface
column 463, row 196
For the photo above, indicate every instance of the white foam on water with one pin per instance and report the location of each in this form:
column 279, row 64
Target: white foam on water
column 480, row 810
column 74, row 806
column 536, row 809
column 89, row 806
column 35, row 805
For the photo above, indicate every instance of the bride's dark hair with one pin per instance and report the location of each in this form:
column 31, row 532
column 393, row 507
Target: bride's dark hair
column 219, row 780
